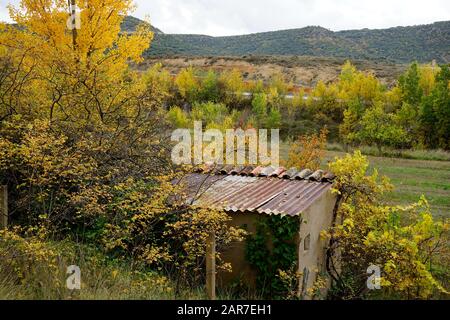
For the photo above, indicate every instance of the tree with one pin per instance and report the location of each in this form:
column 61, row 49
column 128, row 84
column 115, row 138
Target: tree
column 187, row 85
column 379, row 128
column 273, row 120
column 84, row 147
column 435, row 113
column 259, row 107
column 402, row 241
column 409, row 83
column 178, row 118
column 348, row 129
column 441, row 102
column 99, row 122
column 308, row 151
column 210, row 90
column 233, row 86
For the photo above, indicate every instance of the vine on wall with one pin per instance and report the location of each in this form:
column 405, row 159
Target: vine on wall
column 273, row 249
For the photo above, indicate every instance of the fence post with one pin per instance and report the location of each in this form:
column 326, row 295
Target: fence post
column 211, row 267
column 3, row 207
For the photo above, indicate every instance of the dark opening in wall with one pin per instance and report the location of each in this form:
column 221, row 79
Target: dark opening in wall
column 307, row 242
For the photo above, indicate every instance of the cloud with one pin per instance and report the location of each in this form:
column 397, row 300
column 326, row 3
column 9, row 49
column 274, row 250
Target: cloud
column 218, row 17
column 230, row 17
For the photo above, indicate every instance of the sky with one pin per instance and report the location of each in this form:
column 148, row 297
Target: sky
column 234, row 17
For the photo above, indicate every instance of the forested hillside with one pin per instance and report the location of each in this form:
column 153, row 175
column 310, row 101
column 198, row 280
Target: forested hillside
column 400, row 44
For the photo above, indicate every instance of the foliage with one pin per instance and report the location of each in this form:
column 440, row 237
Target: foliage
column 187, row 84
column 28, row 262
column 210, row 88
column 233, row 86
column 192, row 230
column 178, row 117
column 34, row 268
column 308, row 151
column 402, row 241
column 272, row 251
column 84, row 152
column 434, row 113
column 259, row 107
column 209, row 112
column 379, row 128
column 410, row 86
column 84, row 143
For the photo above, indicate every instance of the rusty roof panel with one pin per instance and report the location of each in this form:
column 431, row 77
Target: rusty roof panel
column 265, row 190
column 256, row 194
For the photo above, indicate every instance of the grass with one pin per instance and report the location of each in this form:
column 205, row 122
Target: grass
column 411, row 177
column 435, row 155
column 101, row 277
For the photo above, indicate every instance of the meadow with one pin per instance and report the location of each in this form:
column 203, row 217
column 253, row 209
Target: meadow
column 411, row 177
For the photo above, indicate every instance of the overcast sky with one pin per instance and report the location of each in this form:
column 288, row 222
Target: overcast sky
column 231, row 17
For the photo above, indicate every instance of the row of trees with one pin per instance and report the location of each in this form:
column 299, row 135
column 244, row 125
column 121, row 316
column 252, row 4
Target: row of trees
column 357, row 108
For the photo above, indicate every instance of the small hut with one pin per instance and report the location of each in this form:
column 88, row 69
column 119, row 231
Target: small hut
column 250, row 194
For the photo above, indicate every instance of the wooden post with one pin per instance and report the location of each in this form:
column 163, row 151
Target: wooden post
column 211, row 267
column 3, row 207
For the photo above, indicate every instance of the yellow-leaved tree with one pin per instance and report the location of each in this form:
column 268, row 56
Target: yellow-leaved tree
column 405, row 243
column 85, row 149
column 83, row 69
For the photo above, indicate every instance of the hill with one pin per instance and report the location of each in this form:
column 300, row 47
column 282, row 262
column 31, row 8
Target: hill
column 400, row 44
column 130, row 24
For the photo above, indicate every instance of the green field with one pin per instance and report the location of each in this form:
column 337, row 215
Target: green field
column 411, row 179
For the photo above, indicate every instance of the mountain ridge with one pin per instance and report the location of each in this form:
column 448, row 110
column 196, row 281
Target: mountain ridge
column 402, row 44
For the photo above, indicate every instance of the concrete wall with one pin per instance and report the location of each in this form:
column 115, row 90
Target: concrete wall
column 317, row 218
column 311, row 262
column 235, row 253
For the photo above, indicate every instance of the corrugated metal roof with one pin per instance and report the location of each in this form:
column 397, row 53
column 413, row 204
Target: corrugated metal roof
column 264, row 190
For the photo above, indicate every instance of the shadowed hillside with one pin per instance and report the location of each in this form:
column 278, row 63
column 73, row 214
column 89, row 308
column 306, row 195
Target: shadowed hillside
column 400, row 44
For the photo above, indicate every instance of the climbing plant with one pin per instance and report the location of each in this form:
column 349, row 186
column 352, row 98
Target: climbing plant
column 270, row 250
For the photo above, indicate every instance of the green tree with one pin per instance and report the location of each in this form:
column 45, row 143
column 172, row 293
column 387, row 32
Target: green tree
column 178, row 118
column 379, row 128
column 209, row 90
column 409, row 83
column 259, row 107
column 273, row 120
column 435, row 113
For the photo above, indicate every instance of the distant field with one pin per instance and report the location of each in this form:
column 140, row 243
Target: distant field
column 411, row 179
